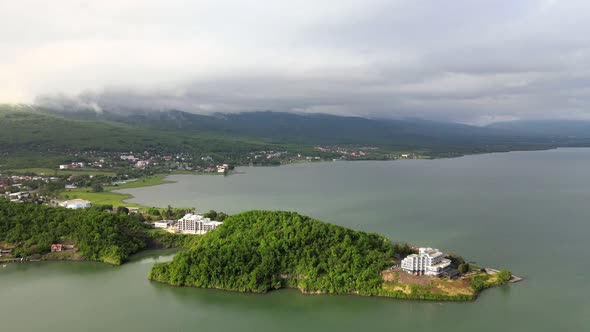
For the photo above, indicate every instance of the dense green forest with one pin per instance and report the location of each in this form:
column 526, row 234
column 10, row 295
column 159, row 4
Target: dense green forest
column 258, row 251
column 99, row 235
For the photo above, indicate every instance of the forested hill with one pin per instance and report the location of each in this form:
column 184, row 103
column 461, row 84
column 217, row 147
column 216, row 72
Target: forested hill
column 258, row 251
column 99, row 235
column 35, row 137
column 29, row 127
column 30, row 137
column 318, row 129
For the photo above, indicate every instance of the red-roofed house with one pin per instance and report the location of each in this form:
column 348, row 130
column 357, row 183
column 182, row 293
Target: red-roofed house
column 56, row 247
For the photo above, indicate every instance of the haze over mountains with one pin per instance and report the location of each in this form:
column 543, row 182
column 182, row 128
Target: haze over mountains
column 317, row 128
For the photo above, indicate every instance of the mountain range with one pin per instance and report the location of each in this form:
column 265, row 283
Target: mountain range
column 315, row 128
column 26, row 129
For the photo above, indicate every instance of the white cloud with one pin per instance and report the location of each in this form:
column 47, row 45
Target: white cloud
column 462, row 60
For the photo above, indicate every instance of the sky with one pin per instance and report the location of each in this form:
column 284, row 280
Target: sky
column 465, row 61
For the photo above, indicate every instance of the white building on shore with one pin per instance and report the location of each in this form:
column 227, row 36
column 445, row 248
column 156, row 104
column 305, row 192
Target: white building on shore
column 76, row 204
column 427, row 261
column 196, row 224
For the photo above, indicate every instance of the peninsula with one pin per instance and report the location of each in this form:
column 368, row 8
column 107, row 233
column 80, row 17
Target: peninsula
column 260, row 251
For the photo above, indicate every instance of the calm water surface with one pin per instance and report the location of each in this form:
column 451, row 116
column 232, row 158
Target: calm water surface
column 525, row 211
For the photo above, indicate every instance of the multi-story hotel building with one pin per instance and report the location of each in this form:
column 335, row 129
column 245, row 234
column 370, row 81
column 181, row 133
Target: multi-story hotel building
column 196, row 224
column 427, row 261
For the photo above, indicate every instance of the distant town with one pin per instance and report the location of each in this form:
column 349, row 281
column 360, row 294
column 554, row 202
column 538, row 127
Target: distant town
column 96, row 170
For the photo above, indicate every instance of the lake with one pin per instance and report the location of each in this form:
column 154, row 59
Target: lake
column 528, row 212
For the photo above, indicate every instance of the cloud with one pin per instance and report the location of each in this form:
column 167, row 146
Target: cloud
column 464, row 61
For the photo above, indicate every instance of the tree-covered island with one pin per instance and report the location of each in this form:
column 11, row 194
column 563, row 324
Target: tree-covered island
column 259, row 251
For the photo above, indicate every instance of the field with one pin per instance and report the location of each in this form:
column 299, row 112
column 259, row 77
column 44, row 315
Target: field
column 102, row 198
column 148, row 181
column 413, row 286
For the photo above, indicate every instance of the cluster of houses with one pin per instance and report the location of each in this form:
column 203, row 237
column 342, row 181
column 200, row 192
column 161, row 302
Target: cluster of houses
column 18, row 197
column 74, row 165
column 268, row 154
column 191, row 223
column 138, row 162
column 58, row 247
column 145, row 160
column 19, row 181
column 427, row 261
column 344, row 152
column 219, row 168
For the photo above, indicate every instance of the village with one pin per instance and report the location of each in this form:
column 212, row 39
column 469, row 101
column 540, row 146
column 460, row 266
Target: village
column 98, row 169
column 158, row 160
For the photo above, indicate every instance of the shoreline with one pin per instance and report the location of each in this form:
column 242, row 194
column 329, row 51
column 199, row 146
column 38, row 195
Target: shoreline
column 303, row 162
column 111, row 196
column 121, row 199
column 79, row 259
column 415, row 297
column 383, row 293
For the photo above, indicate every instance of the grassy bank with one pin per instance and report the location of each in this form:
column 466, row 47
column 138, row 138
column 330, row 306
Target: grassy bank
column 401, row 285
column 101, row 198
column 108, row 197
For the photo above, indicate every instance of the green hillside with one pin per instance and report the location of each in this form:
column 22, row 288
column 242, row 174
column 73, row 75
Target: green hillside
column 31, row 138
column 259, row 251
column 437, row 138
column 99, row 235
column 34, row 137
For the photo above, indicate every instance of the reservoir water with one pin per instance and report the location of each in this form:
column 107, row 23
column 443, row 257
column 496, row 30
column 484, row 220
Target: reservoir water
column 528, row 212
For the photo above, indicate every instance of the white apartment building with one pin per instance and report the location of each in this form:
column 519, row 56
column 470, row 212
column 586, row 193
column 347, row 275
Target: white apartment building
column 427, row 261
column 196, row 224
